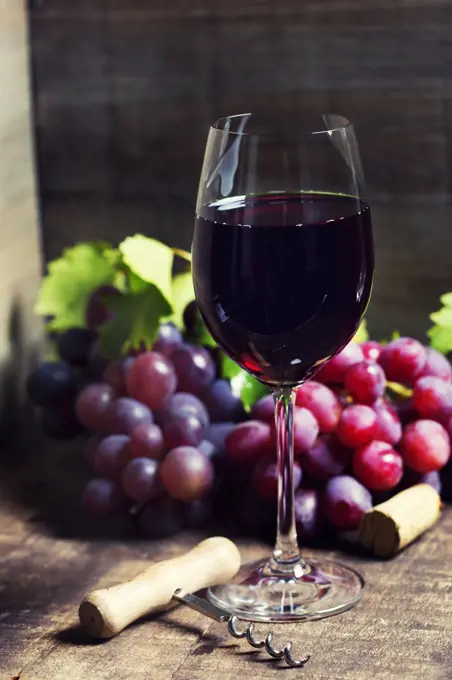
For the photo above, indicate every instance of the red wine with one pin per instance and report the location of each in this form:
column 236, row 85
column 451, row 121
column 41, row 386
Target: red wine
column 282, row 281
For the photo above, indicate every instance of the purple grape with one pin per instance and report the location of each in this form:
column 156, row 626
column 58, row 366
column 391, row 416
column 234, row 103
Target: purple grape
column 169, row 339
column 161, row 518
column 102, row 497
column 186, row 473
column 126, row 414
column 308, row 515
column 111, row 456
column 147, row 442
column 182, row 404
column 115, row 375
column 93, row 405
column 410, row 478
column 194, row 368
column 217, row 433
column 140, row 480
column 345, row 502
column 264, row 409
column 50, row 383
column 182, row 431
column 221, row 403
column 74, row 345
column 151, row 379
column 326, row 459
column 97, row 312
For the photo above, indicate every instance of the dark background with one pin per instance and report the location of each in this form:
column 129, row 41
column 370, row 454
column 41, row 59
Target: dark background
column 125, row 91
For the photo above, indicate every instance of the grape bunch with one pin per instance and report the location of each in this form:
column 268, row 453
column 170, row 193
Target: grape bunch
column 171, row 444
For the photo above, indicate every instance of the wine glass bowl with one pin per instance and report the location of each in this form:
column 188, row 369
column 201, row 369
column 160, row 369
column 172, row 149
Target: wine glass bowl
column 282, row 269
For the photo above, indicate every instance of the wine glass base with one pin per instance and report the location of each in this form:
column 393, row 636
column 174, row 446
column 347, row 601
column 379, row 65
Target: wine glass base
column 313, row 589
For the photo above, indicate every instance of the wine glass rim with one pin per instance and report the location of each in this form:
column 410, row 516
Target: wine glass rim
column 222, row 124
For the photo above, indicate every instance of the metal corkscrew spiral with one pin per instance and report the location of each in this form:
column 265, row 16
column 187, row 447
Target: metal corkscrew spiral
column 218, row 614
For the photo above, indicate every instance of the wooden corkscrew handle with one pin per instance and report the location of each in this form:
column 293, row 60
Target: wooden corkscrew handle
column 105, row 613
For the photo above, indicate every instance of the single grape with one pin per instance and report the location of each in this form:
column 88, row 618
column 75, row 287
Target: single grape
column 97, row 362
column 60, row 422
column 403, row 360
column 345, row 502
column 221, row 403
column 334, row 371
column 169, row 339
column 265, row 478
column 102, row 497
column 92, row 406
column 309, row 518
column 151, row 379
column 306, row 430
column 74, row 344
column 182, row 431
column 326, row 458
column 356, row 425
column 111, row 456
column 194, row 368
column 432, row 398
column 146, row 441
column 191, row 317
column 425, row 446
column 125, row 414
column 97, row 312
column 433, row 479
column 436, row 365
column 115, row 375
column 250, row 441
column 264, row 409
column 50, row 383
column 186, row 473
column 161, row 518
column 182, row 404
column 378, row 466
column 322, row 403
column 388, row 427
column 371, row 350
column 365, row 382
column 197, row 514
column 140, row 479
column 90, row 449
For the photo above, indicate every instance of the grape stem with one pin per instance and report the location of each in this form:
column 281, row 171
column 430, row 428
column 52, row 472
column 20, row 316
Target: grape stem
column 286, row 556
column 183, row 254
column 399, row 389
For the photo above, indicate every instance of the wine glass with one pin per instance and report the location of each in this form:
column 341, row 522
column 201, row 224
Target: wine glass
column 282, row 268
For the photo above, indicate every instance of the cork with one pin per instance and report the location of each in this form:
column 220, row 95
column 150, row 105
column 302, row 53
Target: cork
column 391, row 526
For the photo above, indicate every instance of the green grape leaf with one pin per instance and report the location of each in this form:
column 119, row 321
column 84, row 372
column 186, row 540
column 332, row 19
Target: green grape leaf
column 441, row 332
column 362, row 334
column 243, row 385
column 150, row 261
column 136, row 321
column 183, row 293
column 70, row 280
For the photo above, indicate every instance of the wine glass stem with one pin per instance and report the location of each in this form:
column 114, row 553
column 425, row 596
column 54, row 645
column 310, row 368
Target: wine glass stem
column 286, row 555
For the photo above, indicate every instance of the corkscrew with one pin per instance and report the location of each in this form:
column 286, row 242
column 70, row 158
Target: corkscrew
column 105, row 613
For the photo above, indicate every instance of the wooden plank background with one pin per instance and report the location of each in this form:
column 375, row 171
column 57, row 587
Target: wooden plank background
column 125, row 91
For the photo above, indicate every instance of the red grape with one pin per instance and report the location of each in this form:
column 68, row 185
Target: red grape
column 322, row 403
column 111, row 456
column 151, row 379
column 194, row 368
column 182, row 404
column 432, row 398
column 102, row 497
column 371, row 350
column 403, row 360
column 125, row 414
column 365, row 382
column 140, row 480
column 186, row 473
column 116, row 373
column 250, row 441
column 97, row 312
column 182, row 431
column 345, row 502
column 388, row 427
column 334, row 371
column 425, row 446
column 221, row 403
column 436, row 365
column 265, row 478
column 146, row 441
column 169, row 339
column 308, row 514
column 326, row 459
column 306, row 430
column 378, row 466
column 92, row 406
column 356, row 425
column 264, row 409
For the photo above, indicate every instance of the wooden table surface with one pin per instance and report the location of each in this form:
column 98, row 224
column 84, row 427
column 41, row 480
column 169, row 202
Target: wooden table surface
column 50, row 556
